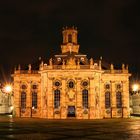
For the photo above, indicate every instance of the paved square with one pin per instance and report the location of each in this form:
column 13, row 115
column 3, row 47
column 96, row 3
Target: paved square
column 43, row 129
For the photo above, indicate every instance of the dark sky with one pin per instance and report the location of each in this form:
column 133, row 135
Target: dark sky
column 107, row 28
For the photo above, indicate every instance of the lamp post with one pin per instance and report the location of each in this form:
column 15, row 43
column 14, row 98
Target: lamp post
column 135, row 99
column 8, row 89
column 135, row 88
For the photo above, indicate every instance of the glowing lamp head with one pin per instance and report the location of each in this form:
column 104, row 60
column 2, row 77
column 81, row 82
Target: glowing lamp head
column 135, row 87
column 8, row 88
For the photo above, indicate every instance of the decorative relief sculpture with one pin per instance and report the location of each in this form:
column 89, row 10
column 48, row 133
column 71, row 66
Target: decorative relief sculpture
column 29, row 67
column 123, row 67
column 50, row 62
column 112, row 67
column 91, row 61
column 71, row 95
column 71, row 61
column 41, row 65
column 63, row 62
column 19, row 67
column 78, row 62
column 97, row 96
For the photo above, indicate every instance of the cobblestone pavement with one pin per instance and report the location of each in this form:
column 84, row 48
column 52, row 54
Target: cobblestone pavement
column 43, row 129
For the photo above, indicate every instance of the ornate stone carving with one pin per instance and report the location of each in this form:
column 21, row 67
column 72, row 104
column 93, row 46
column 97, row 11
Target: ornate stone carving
column 91, row 61
column 50, row 62
column 71, row 95
column 71, row 61
column 29, row 67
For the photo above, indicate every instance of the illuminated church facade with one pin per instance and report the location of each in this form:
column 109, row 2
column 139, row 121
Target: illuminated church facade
column 71, row 86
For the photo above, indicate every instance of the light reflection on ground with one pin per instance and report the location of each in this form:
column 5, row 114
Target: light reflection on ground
column 43, row 129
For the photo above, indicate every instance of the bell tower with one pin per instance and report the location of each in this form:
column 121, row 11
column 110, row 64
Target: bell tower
column 70, row 40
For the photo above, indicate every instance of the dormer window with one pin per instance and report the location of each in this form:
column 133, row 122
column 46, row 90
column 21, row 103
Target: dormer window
column 58, row 59
column 82, row 59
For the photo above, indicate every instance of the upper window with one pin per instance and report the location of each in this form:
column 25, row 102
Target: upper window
column 85, row 83
column 82, row 58
column 57, row 83
column 58, row 59
column 34, row 86
column 107, row 86
column 23, row 86
column 71, row 84
column 118, row 86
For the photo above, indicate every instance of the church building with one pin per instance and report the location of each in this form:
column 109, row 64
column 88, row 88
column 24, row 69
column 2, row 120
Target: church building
column 71, row 86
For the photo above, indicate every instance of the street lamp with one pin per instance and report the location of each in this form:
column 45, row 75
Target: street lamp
column 8, row 89
column 135, row 88
column 135, row 99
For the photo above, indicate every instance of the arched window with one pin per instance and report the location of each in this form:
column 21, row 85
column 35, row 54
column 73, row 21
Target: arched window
column 70, row 83
column 85, row 98
column 34, row 86
column 107, row 100
column 23, row 87
column 34, row 100
column 119, row 99
column 107, row 87
column 84, row 83
column 56, row 98
column 57, row 83
column 118, row 87
column 69, row 38
column 23, row 100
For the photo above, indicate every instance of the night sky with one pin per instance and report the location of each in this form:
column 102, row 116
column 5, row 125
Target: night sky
column 107, row 28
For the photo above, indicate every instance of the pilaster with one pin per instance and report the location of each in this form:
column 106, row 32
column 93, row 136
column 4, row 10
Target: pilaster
column 63, row 99
column 50, row 99
column 29, row 100
column 113, row 99
column 102, row 99
column 125, row 100
column 44, row 91
column 91, row 98
column 78, row 99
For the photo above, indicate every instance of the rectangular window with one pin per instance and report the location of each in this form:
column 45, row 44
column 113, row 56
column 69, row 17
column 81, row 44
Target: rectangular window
column 23, row 100
column 56, row 99
column 118, row 99
column 85, row 98
column 34, row 100
column 107, row 100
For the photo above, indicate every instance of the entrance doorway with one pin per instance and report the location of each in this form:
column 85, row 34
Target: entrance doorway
column 71, row 111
